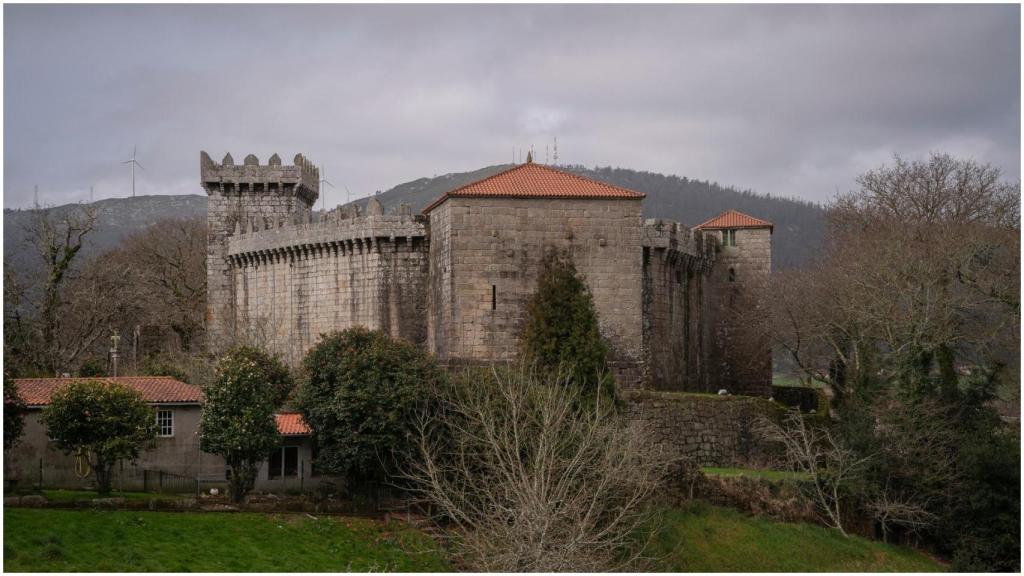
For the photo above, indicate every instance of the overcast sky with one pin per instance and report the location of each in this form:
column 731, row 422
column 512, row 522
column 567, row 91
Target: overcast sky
column 792, row 100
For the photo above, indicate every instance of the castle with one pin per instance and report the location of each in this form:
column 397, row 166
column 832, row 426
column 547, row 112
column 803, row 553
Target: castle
column 456, row 279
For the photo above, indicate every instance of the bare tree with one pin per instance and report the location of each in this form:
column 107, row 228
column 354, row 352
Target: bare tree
column 58, row 238
column 891, row 508
column 533, row 482
column 817, row 452
column 170, row 261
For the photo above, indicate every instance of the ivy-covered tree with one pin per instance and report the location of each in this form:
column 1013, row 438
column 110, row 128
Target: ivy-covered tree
column 561, row 333
column 14, row 412
column 101, row 421
column 360, row 392
column 238, row 415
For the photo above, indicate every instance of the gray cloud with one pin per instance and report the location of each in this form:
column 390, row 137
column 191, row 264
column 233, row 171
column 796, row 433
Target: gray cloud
column 788, row 100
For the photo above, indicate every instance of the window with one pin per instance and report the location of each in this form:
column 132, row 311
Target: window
column 729, row 237
column 732, row 274
column 165, row 423
column 494, row 297
column 284, row 462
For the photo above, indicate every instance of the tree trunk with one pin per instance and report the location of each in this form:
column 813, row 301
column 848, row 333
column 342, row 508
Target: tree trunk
column 103, row 480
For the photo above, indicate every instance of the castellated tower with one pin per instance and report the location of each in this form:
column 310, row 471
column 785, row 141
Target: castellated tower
column 246, row 198
column 737, row 358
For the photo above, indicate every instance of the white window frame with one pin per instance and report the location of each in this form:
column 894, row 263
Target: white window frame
column 160, row 424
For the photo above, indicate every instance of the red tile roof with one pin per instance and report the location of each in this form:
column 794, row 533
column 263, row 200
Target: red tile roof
column 154, row 389
column 291, row 424
column 733, row 219
column 537, row 181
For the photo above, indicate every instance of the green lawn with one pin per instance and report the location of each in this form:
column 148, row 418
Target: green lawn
column 752, row 473
column 705, row 538
column 123, row 541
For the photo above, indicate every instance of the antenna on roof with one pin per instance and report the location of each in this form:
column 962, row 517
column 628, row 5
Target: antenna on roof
column 556, row 150
column 547, row 155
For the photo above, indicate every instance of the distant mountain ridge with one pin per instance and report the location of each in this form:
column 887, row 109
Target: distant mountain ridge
column 799, row 225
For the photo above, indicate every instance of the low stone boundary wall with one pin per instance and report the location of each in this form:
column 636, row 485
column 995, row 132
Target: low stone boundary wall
column 705, row 429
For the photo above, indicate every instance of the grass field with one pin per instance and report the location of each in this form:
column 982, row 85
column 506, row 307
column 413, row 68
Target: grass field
column 92, row 541
column 698, row 538
column 705, row 538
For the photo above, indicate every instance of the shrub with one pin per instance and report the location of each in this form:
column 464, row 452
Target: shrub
column 238, row 416
column 103, row 422
column 561, row 333
column 533, row 482
column 92, row 367
column 359, row 393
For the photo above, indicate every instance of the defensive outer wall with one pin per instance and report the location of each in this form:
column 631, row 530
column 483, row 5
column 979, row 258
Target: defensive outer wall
column 456, row 281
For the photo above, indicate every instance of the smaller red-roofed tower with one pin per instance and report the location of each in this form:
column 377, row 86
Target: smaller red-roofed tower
column 738, row 356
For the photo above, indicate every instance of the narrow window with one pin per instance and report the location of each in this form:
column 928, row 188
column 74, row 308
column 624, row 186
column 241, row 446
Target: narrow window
column 284, row 461
column 291, row 460
column 494, row 297
column 732, row 274
column 165, row 423
column 729, row 237
column 274, row 471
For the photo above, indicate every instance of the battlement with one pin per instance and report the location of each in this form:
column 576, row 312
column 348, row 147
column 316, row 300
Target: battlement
column 677, row 241
column 302, row 177
column 334, row 231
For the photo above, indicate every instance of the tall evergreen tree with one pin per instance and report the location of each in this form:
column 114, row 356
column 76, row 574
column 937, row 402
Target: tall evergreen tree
column 562, row 332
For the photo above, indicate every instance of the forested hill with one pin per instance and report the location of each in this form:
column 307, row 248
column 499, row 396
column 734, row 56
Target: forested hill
column 115, row 218
column 799, row 225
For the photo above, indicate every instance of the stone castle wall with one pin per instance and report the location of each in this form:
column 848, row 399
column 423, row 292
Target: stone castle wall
column 676, row 261
column 245, row 197
column 294, row 283
column 486, row 258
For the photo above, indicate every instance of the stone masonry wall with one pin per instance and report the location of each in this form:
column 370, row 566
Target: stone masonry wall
column 241, row 198
column 740, row 273
column 485, row 260
column 294, row 283
column 705, row 429
column 675, row 264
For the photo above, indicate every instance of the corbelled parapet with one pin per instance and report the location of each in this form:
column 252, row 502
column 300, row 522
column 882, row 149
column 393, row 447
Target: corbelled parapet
column 678, row 242
column 362, row 233
column 302, row 177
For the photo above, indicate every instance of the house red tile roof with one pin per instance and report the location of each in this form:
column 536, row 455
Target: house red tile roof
column 154, row 389
column 537, row 181
column 733, row 219
column 291, row 424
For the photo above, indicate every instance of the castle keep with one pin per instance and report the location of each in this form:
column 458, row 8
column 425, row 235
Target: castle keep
column 456, row 279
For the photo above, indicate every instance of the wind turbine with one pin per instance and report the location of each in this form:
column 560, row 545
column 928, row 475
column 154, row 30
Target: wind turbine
column 323, row 181
column 133, row 162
